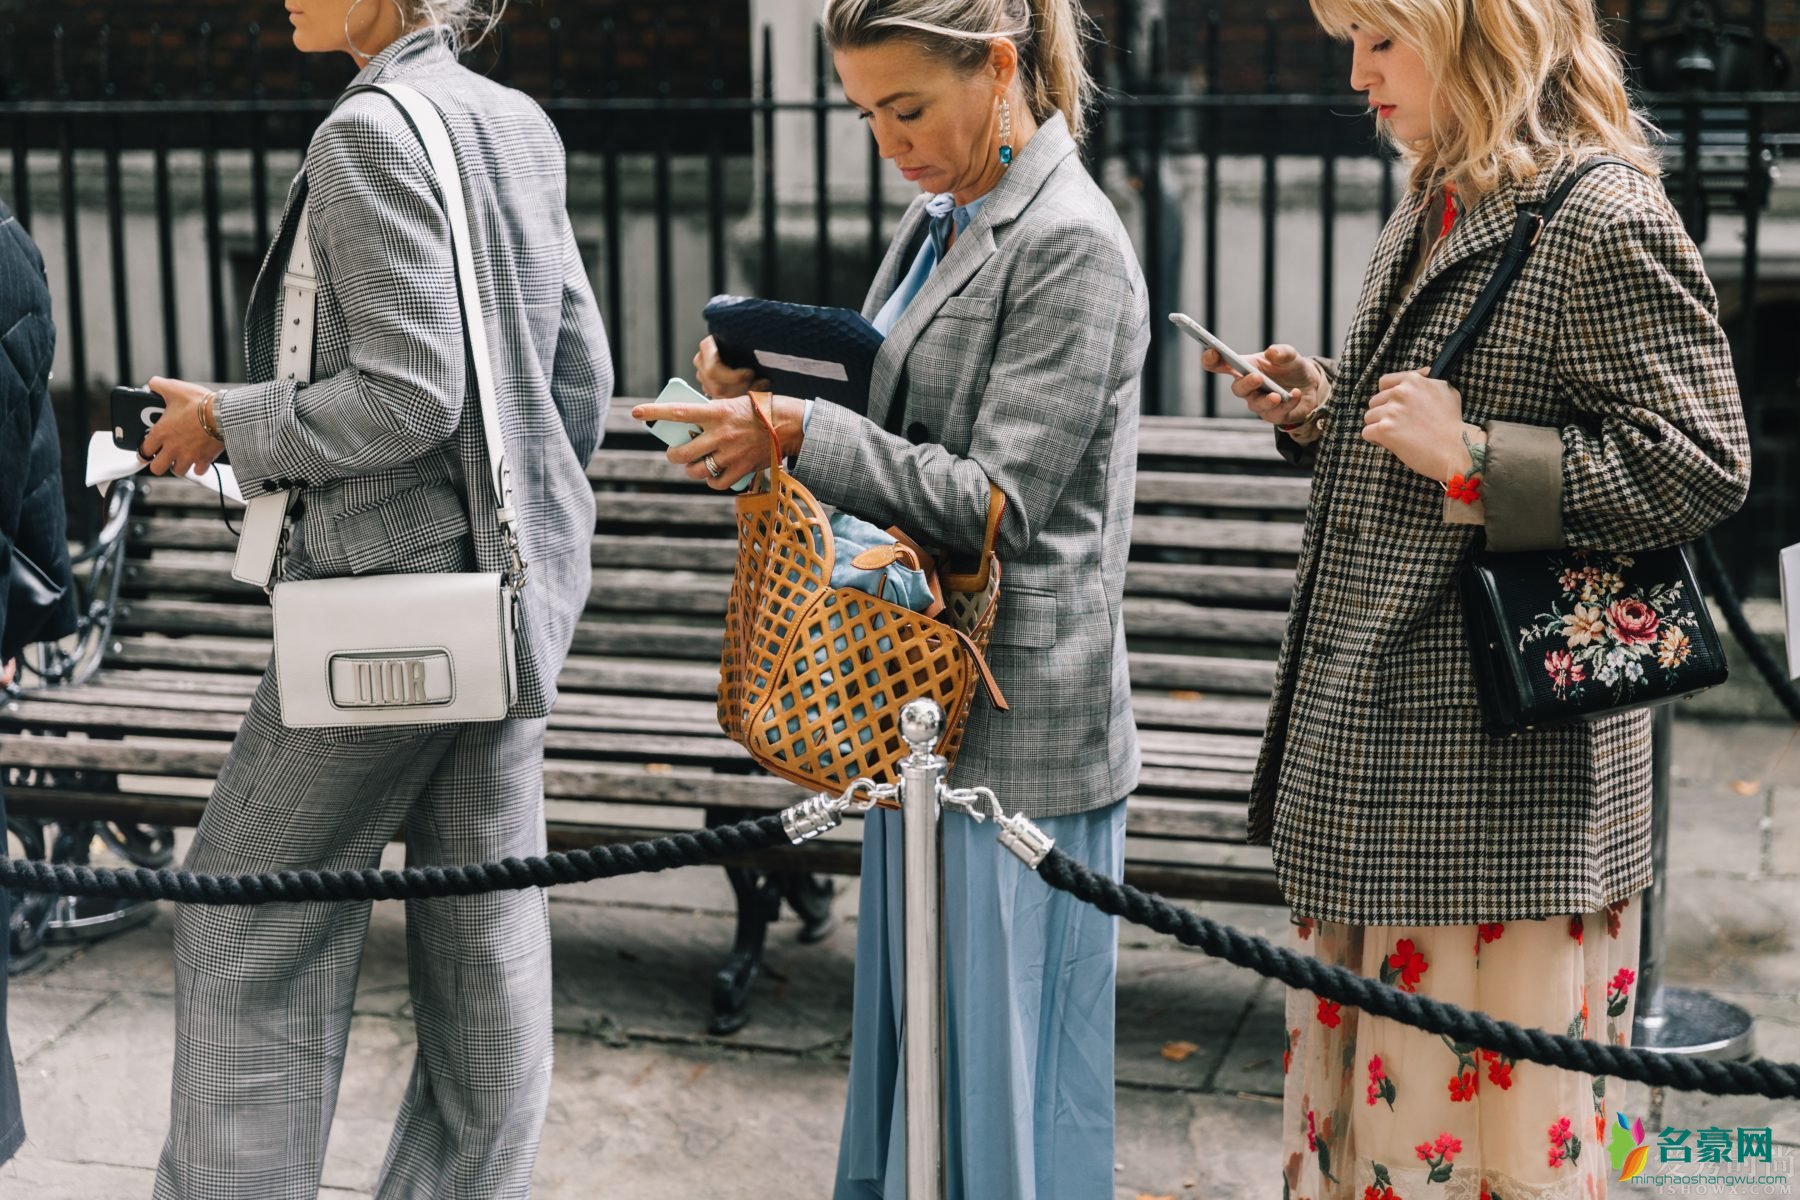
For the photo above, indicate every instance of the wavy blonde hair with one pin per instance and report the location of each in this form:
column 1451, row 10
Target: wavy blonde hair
column 1528, row 84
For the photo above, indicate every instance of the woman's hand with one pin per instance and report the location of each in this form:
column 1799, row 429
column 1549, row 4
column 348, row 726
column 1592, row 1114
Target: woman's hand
column 1282, row 366
column 178, row 443
column 731, row 436
column 717, row 380
column 1419, row 421
column 6, row 673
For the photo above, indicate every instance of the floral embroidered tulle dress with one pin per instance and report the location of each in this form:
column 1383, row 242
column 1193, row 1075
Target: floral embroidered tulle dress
column 1376, row 1110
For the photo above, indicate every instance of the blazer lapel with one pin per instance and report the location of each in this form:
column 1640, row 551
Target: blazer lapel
column 899, row 258
column 973, row 247
column 1388, row 264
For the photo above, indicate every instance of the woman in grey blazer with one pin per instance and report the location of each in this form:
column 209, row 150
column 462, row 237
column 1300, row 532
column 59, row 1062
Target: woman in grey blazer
column 385, row 447
column 1016, row 326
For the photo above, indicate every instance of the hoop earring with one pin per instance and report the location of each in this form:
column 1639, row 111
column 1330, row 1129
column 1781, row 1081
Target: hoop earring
column 351, row 42
column 1006, row 148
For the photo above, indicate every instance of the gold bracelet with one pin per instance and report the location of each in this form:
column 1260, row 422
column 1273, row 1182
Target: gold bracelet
column 209, row 421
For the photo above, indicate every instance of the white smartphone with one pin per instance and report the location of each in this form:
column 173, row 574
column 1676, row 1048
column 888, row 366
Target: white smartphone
column 674, row 433
column 1233, row 359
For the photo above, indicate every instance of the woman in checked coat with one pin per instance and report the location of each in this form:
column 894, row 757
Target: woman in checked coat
column 1598, row 410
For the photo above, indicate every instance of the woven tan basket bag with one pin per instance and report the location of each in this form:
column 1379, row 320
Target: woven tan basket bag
column 813, row 678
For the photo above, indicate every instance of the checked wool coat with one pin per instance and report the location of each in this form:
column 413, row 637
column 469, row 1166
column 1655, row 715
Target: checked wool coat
column 1606, row 387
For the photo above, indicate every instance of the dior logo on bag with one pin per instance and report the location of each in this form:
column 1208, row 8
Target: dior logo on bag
column 392, row 679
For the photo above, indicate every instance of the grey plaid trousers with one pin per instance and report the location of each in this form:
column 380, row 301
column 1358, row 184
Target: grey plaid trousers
column 263, row 995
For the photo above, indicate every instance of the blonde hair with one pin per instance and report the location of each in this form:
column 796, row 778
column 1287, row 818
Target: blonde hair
column 1528, row 84
column 1048, row 33
column 470, row 22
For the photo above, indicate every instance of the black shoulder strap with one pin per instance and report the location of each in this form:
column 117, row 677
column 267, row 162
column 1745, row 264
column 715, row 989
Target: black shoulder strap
column 1526, row 230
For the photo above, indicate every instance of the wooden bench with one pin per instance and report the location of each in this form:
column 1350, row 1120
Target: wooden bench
column 633, row 748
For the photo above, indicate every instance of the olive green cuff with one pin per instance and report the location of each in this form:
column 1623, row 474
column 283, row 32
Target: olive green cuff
column 1522, row 487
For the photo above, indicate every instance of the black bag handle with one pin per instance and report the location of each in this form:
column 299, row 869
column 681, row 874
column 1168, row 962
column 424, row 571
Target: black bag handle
column 1527, row 228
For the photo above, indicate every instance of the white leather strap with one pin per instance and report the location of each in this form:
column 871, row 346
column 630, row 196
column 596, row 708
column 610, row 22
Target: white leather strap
column 429, row 122
column 299, row 308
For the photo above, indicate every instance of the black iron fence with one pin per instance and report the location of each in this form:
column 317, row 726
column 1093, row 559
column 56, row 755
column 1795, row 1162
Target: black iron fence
column 1251, row 209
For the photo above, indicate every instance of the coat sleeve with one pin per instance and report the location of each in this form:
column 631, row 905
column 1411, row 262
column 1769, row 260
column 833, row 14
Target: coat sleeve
column 1307, row 455
column 382, row 245
column 581, row 382
column 1051, row 379
column 1657, row 452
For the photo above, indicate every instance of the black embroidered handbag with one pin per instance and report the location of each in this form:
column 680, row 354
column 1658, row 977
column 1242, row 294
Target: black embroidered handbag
column 1566, row 635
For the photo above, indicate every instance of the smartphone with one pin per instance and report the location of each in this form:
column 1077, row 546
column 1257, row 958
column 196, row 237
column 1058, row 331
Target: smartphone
column 1233, row 359
column 674, row 433
column 134, row 411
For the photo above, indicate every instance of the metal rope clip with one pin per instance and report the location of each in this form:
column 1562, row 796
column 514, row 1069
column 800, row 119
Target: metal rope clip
column 1029, row 844
column 820, row 814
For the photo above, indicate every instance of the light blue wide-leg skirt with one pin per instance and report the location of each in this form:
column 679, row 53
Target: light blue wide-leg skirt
column 1029, row 1038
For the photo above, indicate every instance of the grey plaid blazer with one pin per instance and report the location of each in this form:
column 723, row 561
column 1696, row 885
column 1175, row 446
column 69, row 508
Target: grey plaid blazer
column 386, row 443
column 1017, row 363
column 1383, row 800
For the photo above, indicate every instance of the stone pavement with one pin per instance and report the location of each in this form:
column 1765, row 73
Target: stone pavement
column 646, row 1105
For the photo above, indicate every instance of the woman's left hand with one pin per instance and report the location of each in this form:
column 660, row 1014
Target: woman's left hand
column 1419, row 420
column 177, row 443
column 731, row 435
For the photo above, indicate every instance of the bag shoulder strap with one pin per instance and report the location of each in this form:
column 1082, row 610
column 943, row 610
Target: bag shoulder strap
column 300, row 297
column 1528, row 226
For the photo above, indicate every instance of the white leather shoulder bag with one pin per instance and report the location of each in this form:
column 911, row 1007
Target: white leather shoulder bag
column 394, row 649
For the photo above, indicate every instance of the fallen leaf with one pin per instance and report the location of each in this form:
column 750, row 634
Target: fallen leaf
column 1148, row 1196
column 658, row 768
column 1178, row 1051
column 1745, row 787
column 1187, row 695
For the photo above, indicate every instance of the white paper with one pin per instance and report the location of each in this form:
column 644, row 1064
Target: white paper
column 106, row 462
column 1790, row 606
column 817, row 368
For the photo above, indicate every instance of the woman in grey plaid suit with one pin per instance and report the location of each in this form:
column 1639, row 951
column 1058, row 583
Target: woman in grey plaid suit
column 1016, row 324
column 386, row 447
column 1599, row 410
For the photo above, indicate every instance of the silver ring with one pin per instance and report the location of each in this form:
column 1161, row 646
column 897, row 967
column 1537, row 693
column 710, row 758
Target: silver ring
column 712, row 468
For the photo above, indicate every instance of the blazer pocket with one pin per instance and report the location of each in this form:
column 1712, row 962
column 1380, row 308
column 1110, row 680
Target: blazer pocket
column 1027, row 618
column 971, row 308
column 404, row 528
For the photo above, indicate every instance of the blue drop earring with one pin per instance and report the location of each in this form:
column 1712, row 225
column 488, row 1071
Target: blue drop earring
column 1006, row 149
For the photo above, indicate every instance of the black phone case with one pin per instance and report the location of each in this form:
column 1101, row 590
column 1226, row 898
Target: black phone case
column 134, row 411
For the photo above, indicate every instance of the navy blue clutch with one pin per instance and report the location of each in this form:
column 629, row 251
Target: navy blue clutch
column 801, row 349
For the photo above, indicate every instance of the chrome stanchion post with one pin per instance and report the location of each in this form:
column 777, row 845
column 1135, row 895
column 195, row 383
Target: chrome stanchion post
column 921, row 781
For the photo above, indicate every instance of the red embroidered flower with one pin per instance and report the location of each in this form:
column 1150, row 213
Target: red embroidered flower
column 1563, row 1143
column 1563, row 670
column 1618, row 992
column 1624, row 979
column 1499, row 1070
column 1575, row 927
column 1466, row 488
column 1328, row 1013
column 1633, row 622
column 1287, row 1055
column 1612, row 917
column 1447, row 1146
column 1304, row 927
column 1376, row 1192
column 1491, row 932
column 1312, row 1132
column 1464, row 1086
column 1408, row 963
column 1485, row 1194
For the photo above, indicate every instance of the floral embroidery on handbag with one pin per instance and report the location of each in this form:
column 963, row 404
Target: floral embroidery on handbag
column 1611, row 634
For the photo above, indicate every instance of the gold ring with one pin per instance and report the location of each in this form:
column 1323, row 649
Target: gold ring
column 712, row 467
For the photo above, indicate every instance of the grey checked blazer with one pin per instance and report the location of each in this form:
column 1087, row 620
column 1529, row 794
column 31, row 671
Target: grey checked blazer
column 386, row 442
column 1607, row 391
column 1017, row 363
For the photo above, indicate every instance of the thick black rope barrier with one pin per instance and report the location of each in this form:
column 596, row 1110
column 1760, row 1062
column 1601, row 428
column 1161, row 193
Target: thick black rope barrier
column 1760, row 1077
column 1773, row 672
column 412, row 883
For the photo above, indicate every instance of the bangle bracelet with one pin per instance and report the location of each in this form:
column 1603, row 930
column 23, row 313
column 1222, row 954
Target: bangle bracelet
column 209, row 420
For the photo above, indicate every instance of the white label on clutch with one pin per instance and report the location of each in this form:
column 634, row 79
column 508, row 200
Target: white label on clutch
column 817, row 368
